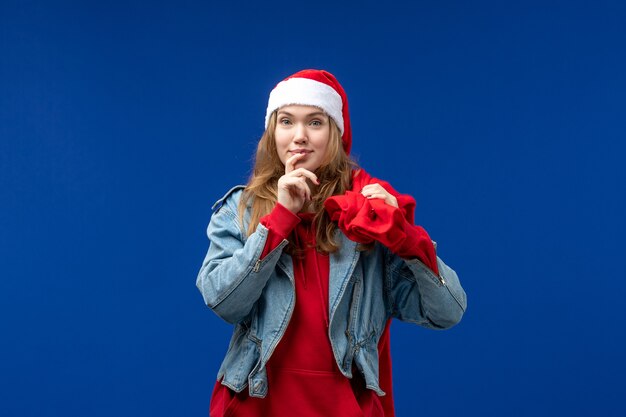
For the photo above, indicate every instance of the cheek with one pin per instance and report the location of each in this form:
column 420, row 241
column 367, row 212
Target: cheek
column 321, row 142
column 281, row 146
column 279, row 139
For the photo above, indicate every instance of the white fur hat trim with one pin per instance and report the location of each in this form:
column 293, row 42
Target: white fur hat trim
column 306, row 92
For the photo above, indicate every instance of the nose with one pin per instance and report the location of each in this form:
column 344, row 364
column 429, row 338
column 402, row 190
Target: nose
column 300, row 133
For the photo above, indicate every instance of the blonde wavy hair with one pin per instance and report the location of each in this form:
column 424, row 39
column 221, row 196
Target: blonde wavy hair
column 334, row 175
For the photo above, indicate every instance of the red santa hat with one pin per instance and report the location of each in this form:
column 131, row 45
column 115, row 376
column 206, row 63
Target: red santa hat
column 317, row 88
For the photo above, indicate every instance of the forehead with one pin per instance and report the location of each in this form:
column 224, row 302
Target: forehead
column 301, row 110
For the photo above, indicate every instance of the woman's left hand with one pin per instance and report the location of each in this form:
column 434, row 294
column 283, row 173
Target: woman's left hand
column 377, row 191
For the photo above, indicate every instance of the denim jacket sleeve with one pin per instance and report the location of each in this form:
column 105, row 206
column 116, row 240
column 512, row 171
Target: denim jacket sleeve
column 419, row 296
column 233, row 276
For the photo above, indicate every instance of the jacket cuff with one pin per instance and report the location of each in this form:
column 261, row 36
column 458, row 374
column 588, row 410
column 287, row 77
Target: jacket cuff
column 280, row 221
column 417, row 245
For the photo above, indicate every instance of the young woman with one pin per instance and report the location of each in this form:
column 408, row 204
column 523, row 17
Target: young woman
column 310, row 261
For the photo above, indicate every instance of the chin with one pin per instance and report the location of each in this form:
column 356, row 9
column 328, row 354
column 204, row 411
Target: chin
column 314, row 168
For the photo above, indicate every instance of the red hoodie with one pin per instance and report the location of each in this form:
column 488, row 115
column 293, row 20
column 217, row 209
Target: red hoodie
column 303, row 377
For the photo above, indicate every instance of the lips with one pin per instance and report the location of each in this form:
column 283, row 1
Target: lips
column 295, row 151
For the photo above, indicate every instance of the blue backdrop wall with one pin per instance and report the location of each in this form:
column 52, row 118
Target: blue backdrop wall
column 122, row 122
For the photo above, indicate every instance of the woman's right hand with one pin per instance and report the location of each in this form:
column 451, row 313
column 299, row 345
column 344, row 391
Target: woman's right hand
column 293, row 190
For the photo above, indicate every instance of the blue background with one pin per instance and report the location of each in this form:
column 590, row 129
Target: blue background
column 122, row 122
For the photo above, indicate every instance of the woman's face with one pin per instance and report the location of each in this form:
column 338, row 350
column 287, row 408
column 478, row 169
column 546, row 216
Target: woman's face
column 304, row 130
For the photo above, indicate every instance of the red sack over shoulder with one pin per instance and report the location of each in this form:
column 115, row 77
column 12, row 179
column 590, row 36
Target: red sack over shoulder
column 367, row 220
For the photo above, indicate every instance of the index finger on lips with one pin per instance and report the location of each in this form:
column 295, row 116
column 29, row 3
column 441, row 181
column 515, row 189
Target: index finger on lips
column 290, row 163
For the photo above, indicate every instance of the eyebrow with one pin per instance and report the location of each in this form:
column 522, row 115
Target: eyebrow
column 315, row 114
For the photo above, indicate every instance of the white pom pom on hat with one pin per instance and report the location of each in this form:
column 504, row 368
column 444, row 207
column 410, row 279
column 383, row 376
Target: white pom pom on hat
column 317, row 88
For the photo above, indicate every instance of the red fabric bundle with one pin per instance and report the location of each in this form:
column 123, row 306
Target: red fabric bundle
column 367, row 220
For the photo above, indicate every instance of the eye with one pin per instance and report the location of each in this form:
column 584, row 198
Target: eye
column 284, row 121
column 315, row 122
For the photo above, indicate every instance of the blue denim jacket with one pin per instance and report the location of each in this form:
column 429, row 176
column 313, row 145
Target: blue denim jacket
column 366, row 288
